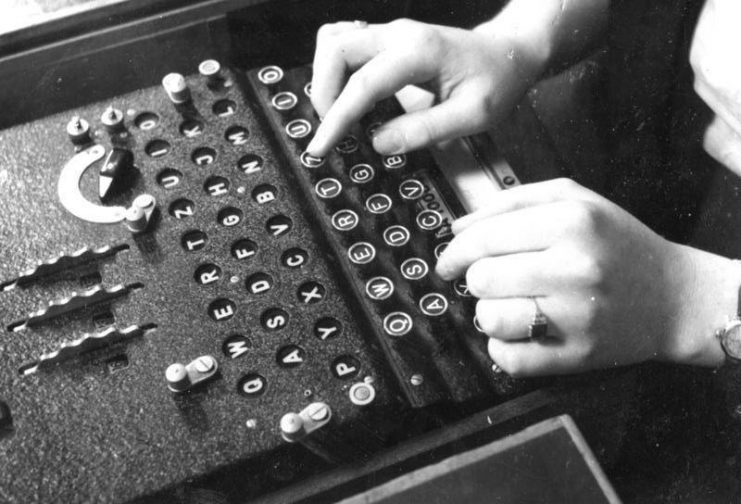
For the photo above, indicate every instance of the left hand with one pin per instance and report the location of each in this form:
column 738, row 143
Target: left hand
column 613, row 291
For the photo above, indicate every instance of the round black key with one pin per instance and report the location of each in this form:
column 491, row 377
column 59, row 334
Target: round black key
column 290, row 356
column 378, row 203
column 345, row 367
column 229, row 216
column 222, row 309
column 274, row 319
column 311, row 162
column 362, row 173
column 328, row 188
column 259, row 283
column 216, row 186
column 379, row 288
column 414, row 268
column 191, row 128
column 236, row 135
column 294, row 258
column 433, row 304
column 203, row 156
column 411, row 189
column 194, row 240
column 283, row 101
column 270, row 75
column 224, row 108
column 264, row 193
column 429, row 220
column 394, row 162
column 169, row 178
column 397, row 324
column 361, row 252
column 278, row 225
column 207, row 274
column 236, row 346
column 327, row 328
column 345, row 220
column 396, row 236
column 182, row 208
column 157, row 148
column 311, row 292
column 252, row 385
column 298, row 129
column 243, row 249
column 146, row 121
column 249, row 164
column 347, row 145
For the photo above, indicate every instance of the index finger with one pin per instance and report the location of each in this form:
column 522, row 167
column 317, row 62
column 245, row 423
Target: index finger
column 523, row 196
column 340, row 47
column 379, row 78
column 529, row 229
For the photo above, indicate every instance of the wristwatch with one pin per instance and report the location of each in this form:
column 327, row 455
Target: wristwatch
column 730, row 336
column 730, row 340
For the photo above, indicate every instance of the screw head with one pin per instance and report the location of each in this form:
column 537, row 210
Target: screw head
column 417, row 380
column 318, row 412
column 204, row 364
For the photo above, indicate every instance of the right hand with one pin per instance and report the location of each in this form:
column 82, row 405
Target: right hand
column 718, row 78
column 477, row 78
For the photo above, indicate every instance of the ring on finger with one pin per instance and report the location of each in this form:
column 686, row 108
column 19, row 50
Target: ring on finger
column 538, row 327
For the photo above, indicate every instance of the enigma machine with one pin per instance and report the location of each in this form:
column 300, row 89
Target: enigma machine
column 192, row 307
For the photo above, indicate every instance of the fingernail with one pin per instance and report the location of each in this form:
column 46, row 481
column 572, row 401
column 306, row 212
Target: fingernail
column 312, row 146
column 388, row 141
column 317, row 145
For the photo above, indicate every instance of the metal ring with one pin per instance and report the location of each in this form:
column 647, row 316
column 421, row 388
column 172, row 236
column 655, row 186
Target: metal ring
column 538, row 327
column 360, row 23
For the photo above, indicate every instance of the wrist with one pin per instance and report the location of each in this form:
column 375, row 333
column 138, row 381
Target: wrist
column 549, row 35
column 528, row 47
column 706, row 297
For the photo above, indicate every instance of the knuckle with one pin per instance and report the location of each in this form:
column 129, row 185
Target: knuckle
column 402, row 24
column 325, row 31
column 418, row 35
column 590, row 273
column 564, row 185
column 591, row 270
column 582, row 216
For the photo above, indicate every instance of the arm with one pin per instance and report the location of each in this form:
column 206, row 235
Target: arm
column 477, row 75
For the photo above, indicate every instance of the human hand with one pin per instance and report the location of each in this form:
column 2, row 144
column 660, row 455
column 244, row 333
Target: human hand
column 718, row 77
column 613, row 291
column 476, row 76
